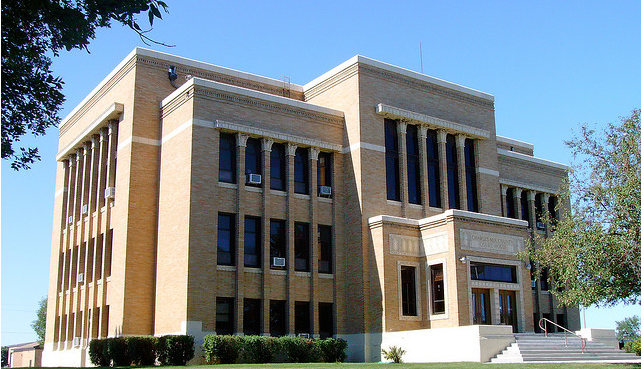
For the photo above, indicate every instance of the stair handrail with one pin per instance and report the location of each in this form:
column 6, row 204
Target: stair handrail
column 566, row 331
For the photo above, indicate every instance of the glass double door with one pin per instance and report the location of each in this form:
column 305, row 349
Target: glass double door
column 481, row 312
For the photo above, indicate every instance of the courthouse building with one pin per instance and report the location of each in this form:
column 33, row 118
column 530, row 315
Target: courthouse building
column 374, row 200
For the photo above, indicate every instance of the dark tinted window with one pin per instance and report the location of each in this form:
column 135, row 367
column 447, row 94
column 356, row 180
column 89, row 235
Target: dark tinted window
column 525, row 214
column 324, row 169
column 226, row 239
column 470, row 176
column 433, row 169
column 252, row 242
column 326, row 320
column 391, row 160
column 302, row 317
column 438, row 289
column 509, row 203
column 227, row 158
column 278, row 240
column 252, row 320
column 408, row 287
column 225, row 316
column 277, row 318
column 302, row 246
column 413, row 164
column 301, row 171
column 278, row 167
column 253, row 156
column 492, row 272
column 325, row 249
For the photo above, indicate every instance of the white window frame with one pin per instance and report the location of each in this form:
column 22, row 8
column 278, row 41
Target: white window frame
column 419, row 312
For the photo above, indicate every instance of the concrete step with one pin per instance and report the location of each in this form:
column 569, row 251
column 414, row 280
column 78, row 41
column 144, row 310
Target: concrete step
column 532, row 347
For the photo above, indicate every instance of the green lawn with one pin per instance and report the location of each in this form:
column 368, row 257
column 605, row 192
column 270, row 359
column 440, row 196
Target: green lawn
column 418, row 366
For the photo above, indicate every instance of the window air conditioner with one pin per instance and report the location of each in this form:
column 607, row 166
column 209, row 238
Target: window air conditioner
column 110, row 192
column 325, row 191
column 70, row 219
column 540, row 225
column 81, row 277
column 76, row 342
column 84, row 209
column 279, row 262
column 303, row 335
column 533, row 284
column 253, row 179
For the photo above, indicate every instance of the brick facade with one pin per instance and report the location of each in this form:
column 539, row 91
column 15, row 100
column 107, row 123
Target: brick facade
column 138, row 249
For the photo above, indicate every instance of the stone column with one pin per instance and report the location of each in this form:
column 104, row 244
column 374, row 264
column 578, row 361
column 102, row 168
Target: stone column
column 517, row 203
column 290, row 236
column 267, row 146
column 314, row 152
column 424, row 179
column 442, row 162
column 532, row 215
column 460, row 156
column 402, row 165
column 241, row 212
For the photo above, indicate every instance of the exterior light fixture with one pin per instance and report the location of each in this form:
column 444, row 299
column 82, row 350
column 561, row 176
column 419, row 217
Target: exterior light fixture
column 463, row 259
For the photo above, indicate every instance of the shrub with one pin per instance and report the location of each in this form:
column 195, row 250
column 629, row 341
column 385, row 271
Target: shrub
column 117, row 351
column 175, row 350
column 394, row 354
column 98, row 353
column 142, row 350
column 299, row 350
column 259, row 349
column 332, row 350
column 634, row 346
column 222, row 349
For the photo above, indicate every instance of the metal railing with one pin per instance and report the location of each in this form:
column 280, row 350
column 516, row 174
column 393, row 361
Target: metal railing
column 542, row 325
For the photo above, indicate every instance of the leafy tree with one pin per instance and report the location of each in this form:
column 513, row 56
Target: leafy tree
column 5, row 356
column 628, row 329
column 32, row 30
column 39, row 324
column 593, row 256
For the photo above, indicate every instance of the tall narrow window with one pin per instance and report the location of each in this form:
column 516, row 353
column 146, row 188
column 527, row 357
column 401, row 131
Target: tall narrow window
column 277, row 317
column 253, row 156
column 538, row 203
column 302, row 246
column 525, row 212
column 325, row 249
column 509, row 203
column 452, row 173
column 391, row 157
column 278, row 167
column 252, row 242
column 252, row 316
column 326, row 319
column 278, row 244
column 324, row 169
column 408, row 290
column 226, row 239
column 438, row 289
column 413, row 164
column 433, row 170
column 301, row 171
column 470, row 176
column 224, row 316
column 227, row 158
column 552, row 207
column 302, row 317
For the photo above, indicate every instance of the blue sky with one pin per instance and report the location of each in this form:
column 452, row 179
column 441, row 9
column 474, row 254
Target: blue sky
column 551, row 66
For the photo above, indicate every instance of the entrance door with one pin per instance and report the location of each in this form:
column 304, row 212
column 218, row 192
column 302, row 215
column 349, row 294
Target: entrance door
column 480, row 306
column 508, row 307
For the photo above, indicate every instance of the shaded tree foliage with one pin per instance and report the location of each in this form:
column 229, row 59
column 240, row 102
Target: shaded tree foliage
column 32, row 31
column 593, row 256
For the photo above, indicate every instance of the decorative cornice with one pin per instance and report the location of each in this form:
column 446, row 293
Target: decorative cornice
column 324, row 85
column 275, row 136
column 393, row 112
column 527, row 186
column 532, row 159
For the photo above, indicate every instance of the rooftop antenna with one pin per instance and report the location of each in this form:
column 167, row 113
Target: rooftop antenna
column 421, row 58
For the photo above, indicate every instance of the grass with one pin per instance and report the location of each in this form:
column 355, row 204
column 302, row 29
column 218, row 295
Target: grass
column 406, row 365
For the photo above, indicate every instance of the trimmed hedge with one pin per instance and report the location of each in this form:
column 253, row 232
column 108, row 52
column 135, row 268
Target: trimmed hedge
column 124, row 351
column 226, row 349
